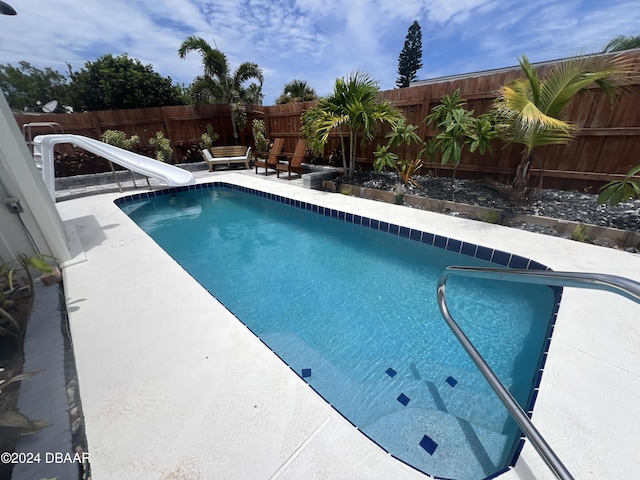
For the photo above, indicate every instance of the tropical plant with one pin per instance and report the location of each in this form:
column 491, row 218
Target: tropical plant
column 407, row 168
column 12, row 422
column 218, row 84
column 402, row 133
column 162, row 147
column 410, row 59
column 15, row 280
column 253, row 94
column 119, row 139
column 296, row 91
column 384, row 158
column 260, row 135
column 353, row 109
column 533, row 111
column 619, row 190
column 458, row 129
column 208, row 138
column 622, row 42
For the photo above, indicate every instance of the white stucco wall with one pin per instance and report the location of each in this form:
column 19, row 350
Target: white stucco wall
column 38, row 229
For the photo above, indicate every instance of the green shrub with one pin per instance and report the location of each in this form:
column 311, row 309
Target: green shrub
column 208, row 138
column 119, row 139
column 491, row 216
column 580, row 233
column 398, row 193
column 162, row 146
column 260, row 135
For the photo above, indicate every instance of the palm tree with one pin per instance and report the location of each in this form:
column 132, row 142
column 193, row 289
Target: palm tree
column 622, row 42
column 296, row 91
column 254, row 94
column 533, row 111
column 218, row 84
column 353, row 108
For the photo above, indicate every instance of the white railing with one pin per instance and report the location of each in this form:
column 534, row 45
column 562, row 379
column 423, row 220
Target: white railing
column 611, row 283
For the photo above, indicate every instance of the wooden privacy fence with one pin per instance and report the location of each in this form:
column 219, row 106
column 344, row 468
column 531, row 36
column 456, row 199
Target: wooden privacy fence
column 605, row 149
column 183, row 124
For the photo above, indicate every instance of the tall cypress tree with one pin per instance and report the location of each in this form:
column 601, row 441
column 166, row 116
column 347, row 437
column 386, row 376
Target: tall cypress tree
column 410, row 60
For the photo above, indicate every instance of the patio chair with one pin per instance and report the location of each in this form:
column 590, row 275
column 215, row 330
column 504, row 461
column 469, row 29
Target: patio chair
column 272, row 160
column 295, row 163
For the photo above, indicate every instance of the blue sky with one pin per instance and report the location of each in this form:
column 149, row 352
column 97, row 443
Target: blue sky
column 313, row 40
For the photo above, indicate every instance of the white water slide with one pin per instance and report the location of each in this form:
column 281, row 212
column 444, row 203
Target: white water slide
column 43, row 152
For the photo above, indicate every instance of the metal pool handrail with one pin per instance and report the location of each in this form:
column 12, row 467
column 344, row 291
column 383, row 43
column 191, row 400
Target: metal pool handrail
column 611, row 283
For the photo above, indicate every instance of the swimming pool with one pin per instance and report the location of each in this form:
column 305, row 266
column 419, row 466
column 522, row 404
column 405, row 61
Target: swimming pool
column 352, row 311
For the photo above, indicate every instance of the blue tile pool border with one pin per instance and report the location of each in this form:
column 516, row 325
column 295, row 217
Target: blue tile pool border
column 498, row 257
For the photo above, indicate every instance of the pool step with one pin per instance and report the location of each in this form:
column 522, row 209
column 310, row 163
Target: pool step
column 464, row 394
column 368, row 392
column 398, row 407
column 467, row 395
column 454, row 438
column 354, row 398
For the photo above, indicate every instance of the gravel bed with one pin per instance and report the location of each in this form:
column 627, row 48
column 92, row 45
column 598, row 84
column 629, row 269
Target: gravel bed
column 581, row 207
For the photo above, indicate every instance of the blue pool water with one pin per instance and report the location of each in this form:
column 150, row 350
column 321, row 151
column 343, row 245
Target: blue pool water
column 353, row 311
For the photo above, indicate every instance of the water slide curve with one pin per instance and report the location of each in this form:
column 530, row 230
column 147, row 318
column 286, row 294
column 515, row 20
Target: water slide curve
column 169, row 174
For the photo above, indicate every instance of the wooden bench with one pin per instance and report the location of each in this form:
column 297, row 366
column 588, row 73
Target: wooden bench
column 227, row 155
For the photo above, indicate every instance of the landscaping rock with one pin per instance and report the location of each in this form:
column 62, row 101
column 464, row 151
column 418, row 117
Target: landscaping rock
column 573, row 206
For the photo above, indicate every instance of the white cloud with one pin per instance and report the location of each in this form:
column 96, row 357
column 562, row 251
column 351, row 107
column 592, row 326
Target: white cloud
column 313, row 40
column 443, row 11
column 408, row 10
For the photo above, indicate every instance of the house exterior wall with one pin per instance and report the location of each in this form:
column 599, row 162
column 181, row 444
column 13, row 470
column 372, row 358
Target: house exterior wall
column 38, row 228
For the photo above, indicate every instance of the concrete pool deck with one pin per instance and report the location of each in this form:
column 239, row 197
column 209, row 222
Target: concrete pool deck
column 173, row 386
